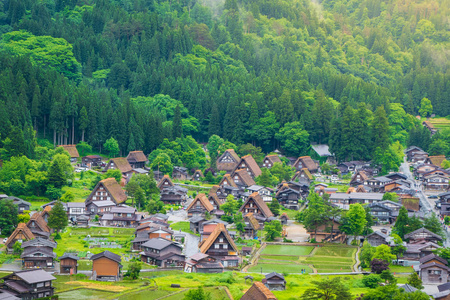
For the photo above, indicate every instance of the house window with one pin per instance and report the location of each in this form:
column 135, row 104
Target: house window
column 221, row 240
column 40, row 284
column 216, row 246
column 95, row 198
column 225, row 246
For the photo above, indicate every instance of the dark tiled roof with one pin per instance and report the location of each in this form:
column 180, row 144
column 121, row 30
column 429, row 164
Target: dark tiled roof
column 107, row 254
column 430, row 257
column 158, row 244
column 33, row 276
column 69, row 255
column 422, row 230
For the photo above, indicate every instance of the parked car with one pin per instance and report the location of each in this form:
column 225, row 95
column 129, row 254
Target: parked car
column 4, row 240
column 432, row 197
column 81, row 169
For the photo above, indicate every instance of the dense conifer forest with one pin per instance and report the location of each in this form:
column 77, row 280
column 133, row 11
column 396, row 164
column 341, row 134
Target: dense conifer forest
column 277, row 74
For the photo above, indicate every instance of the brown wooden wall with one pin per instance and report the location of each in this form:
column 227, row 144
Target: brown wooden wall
column 105, row 267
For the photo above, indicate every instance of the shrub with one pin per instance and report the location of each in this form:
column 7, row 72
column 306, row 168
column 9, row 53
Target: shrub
column 57, row 236
column 371, row 281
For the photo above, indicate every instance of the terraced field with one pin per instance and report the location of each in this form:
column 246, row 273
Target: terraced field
column 292, row 259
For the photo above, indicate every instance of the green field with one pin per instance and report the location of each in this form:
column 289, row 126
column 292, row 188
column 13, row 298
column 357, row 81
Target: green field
column 440, row 123
column 73, row 240
column 287, row 250
column 85, row 294
column 332, row 259
column 279, row 257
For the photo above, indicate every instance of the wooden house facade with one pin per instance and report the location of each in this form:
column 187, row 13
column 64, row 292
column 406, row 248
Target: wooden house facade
column 107, row 193
column 248, row 164
column 256, row 205
column 68, row 264
column 270, row 160
column 28, row 284
column 199, row 206
column 21, row 234
column 227, row 161
column 137, row 159
column 162, row 253
column 38, row 253
column 221, row 246
column 106, row 266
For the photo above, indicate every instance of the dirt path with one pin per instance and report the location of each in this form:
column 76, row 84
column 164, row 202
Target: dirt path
column 296, row 232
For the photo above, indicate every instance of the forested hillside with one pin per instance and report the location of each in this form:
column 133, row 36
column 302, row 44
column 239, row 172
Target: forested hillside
column 277, row 74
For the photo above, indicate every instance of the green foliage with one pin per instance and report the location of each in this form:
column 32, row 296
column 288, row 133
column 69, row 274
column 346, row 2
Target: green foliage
column 197, row 294
column 8, row 216
column 415, row 281
column 354, row 220
column 17, row 248
column 113, row 173
column 366, row 254
column 433, row 224
column 133, row 270
column 328, row 289
column 57, row 218
column 294, row 139
column 272, row 230
column 425, row 107
column 112, row 147
column 68, row 197
column 45, row 51
column 371, row 281
column 383, row 252
column 275, row 206
column 231, row 206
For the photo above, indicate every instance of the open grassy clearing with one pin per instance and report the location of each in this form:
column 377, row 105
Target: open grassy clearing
column 183, row 226
column 332, row 259
column 336, row 251
column 85, row 294
column 287, row 250
column 217, row 293
column 73, row 240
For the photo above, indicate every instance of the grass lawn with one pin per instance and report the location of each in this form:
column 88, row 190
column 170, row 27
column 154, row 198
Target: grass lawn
column 183, row 226
column 290, row 212
column 147, row 294
column 217, row 293
column 287, row 250
column 72, row 240
column 85, row 294
column 400, row 269
column 80, row 192
column 280, row 268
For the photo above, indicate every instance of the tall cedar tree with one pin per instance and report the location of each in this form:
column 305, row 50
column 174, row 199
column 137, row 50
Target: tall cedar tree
column 177, row 127
column 8, row 216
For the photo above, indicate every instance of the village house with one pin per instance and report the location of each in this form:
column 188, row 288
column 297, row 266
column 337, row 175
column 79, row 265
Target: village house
column 248, row 164
column 137, row 159
column 120, row 216
column 227, row 186
column 436, row 160
column 377, row 238
column 215, row 201
column 83, row 221
column 202, row 263
column 22, row 205
column 433, row 269
column 195, row 223
column 221, row 246
column 270, row 160
column 436, row 182
column 256, row 205
column 73, row 152
column 359, row 178
column 38, row 226
column 106, row 266
column 68, row 263
column 303, row 174
column 20, row 234
column 430, row 127
column 354, row 166
column 242, row 179
column 75, row 210
column 422, row 234
column 92, row 161
column 288, row 197
column 328, row 232
column 344, row 200
column 381, row 213
column 323, row 189
column 423, row 169
column 151, row 233
column 46, row 212
column 180, row 173
column 414, row 252
column 323, row 151
column 208, row 227
column 306, row 162
column 274, row 282
column 411, row 150
column 377, row 184
column 258, row 291
column 444, row 200
column 120, row 163
column 251, row 226
column 38, row 253
column 162, row 253
column 264, row 192
column 173, row 195
column 165, row 182
column 199, row 206
column 227, row 161
column 28, row 284
column 198, row 175
column 106, row 194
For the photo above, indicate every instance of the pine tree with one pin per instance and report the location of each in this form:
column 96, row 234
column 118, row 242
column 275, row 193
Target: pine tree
column 35, row 106
column 401, row 222
column 380, row 130
column 177, row 126
column 214, row 121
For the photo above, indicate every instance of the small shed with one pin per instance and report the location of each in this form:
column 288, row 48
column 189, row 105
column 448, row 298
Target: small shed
column 68, row 263
column 275, row 282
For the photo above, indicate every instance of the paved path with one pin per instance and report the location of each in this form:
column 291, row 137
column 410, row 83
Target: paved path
column 356, row 267
column 191, row 244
